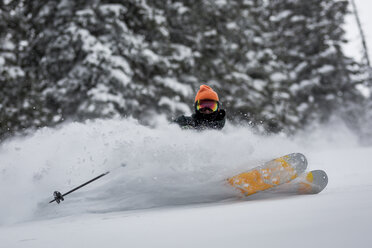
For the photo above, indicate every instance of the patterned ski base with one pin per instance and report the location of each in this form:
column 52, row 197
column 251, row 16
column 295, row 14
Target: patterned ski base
column 270, row 174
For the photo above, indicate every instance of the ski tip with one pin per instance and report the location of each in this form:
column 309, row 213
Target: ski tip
column 320, row 178
column 298, row 156
column 298, row 160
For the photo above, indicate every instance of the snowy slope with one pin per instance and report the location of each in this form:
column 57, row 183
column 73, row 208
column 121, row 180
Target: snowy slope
column 166, row 189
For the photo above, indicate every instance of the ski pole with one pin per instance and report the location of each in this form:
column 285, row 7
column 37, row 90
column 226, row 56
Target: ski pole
column 58, row 197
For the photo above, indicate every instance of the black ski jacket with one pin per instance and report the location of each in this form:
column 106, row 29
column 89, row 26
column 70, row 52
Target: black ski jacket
column 201, row 121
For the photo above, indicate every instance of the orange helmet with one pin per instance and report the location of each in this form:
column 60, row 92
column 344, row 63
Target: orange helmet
column 206, row 92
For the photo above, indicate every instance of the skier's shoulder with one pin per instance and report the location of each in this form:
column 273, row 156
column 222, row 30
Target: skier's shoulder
column 220, row 119
column 221, row 114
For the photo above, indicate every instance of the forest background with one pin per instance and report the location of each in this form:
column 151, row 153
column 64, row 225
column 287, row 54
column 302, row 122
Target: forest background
column 278, row 66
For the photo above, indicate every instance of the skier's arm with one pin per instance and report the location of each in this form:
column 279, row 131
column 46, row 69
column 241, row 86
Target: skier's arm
column 185, row 122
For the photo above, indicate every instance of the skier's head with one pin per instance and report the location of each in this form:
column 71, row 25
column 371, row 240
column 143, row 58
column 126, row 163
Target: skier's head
column 206, row 100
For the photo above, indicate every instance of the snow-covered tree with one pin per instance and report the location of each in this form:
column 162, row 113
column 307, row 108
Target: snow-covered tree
column 307, row 38
column 19, row 102
column 278, row 62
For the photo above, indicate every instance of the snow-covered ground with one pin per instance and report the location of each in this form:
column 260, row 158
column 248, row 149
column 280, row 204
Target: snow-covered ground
column 166, row 189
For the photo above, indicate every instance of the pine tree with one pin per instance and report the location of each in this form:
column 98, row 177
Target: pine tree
column 19, row 105
column 308, row 40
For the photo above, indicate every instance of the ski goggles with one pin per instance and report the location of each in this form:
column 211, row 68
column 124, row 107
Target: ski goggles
column 210, row 104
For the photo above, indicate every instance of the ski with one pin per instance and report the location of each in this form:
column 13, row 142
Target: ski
column 312, row 182
column 271, row 174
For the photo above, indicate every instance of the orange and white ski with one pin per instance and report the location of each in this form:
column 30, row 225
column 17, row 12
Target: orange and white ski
column 271, row 174
column 311, row 182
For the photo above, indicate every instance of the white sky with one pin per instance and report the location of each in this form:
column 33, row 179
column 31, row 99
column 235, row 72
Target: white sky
column 354, row 48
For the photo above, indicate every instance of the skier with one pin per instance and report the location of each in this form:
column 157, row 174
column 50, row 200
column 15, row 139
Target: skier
column 208, row 114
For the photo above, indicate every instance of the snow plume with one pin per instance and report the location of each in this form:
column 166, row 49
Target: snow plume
column 150, row 167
